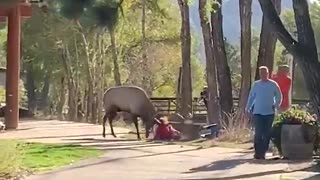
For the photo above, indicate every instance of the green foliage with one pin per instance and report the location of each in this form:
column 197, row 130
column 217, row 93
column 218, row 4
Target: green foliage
column 2, row 95
column 106, row 14
column 3, row 42
column 17, row 156
column 45, row 34
column 296, row 117
column 42, row 157
column 91, row 13
column 198, row 74
column 198, row 71
column 73, row 9
column 233, row 57
column 23, row 99
column 11, row 158
column 22, row 95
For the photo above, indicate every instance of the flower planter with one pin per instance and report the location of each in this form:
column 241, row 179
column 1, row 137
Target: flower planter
column 297, row 141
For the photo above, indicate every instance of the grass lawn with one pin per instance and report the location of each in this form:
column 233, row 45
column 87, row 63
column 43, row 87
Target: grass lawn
column 39, row 157
column 36, row 157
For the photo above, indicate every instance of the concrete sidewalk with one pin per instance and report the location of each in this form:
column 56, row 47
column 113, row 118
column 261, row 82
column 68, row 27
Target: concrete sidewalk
column 55, row 131
column 130, row 159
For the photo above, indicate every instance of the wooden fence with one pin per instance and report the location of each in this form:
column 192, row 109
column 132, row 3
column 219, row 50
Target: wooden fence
column 169, row 104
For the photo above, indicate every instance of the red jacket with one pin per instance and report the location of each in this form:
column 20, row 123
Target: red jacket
column 284, row 83
column 164, row 132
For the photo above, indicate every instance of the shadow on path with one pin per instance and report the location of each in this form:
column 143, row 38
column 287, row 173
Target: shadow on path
column 109, row 160
column 244, row 176
column 228, row 164
column 66, row 136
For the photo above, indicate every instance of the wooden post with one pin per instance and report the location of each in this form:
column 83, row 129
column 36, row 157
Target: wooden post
column 13, row 68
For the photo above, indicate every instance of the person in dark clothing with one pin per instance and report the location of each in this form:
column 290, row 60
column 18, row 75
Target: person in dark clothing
column 204, row 96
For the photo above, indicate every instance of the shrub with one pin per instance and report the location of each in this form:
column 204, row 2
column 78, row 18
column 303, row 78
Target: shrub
column 10, row 158
column 237, row 129
column 296, row 117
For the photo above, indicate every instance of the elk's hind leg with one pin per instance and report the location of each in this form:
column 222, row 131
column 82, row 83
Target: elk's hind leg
column 105, row 117
column 111, row 116
column 135, row 121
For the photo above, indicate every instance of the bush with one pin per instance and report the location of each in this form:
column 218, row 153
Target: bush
column 10, row 158
column 236, row 130
column 296, row 117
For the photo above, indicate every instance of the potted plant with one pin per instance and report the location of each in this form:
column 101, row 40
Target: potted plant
column 295, row 133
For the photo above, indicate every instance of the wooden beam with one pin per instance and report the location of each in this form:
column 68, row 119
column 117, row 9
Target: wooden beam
column 25, row 11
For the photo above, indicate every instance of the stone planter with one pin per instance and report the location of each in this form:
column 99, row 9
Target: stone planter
column 296, row 141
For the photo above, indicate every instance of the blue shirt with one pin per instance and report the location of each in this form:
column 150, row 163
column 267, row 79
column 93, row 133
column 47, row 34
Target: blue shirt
column 264, row 97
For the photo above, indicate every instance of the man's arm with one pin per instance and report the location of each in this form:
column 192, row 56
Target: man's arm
column 278, row 95
column 251, row 98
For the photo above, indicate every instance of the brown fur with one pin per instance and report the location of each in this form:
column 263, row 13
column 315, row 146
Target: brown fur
column 130, row 99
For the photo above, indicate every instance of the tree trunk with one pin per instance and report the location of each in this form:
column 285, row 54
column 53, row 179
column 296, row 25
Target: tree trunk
column 72, row 102
column 72, row 96
column 89, row 75
column 145, row 79
column 101, row 80
column 268, row 40
column 224, row 76
column 305, row 50
column 62, row 98
column 94, row 109
column 310, row 65
column 213, row 103
column 30, row 87
column 186, row 82
column 45, row 92
column 116, row 71
column 245, row 21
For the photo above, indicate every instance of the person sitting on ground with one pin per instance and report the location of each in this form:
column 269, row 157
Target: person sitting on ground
column 163, row 130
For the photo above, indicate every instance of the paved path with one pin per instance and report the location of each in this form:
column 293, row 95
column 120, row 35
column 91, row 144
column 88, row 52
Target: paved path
column 130, row 159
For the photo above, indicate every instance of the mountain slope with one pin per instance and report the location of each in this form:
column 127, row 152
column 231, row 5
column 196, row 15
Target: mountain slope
column 231, row 18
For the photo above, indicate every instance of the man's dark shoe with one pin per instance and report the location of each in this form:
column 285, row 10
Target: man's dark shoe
column 258, row 157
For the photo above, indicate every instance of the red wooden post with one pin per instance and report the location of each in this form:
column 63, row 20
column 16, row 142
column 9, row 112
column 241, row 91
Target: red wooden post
column 13, row 68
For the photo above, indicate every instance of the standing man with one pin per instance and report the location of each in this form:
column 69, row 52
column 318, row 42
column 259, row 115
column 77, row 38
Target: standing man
column 263, row 101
